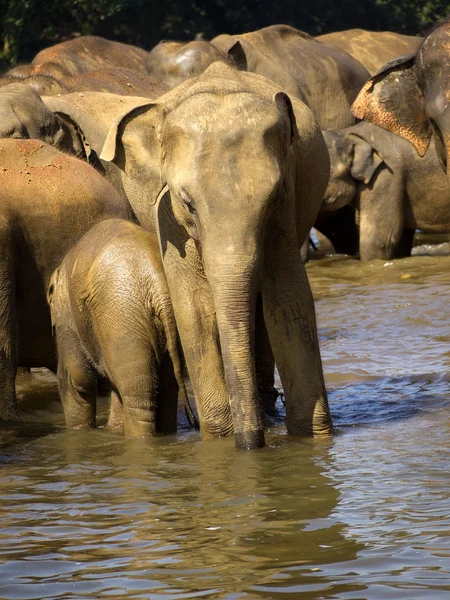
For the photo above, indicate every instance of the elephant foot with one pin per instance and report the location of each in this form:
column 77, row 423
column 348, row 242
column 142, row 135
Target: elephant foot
column 249, row 440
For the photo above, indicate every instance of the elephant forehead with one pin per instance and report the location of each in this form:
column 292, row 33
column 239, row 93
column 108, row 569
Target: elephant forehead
column 223, row 114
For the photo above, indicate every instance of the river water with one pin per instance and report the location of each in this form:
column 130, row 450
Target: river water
column 364, row 515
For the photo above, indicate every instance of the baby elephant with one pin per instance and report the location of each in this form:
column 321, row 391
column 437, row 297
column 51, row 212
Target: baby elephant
column 112, row 317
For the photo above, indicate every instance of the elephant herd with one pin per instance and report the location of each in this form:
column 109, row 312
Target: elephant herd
column 154, row 204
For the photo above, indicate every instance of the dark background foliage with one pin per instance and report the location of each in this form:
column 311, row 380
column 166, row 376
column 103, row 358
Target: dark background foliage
column 27, row 26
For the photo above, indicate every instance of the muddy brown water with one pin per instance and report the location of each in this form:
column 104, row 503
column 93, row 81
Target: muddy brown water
column 365, row 515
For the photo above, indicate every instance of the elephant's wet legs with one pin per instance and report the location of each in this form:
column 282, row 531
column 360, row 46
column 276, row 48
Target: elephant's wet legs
column 77, row 384
column 115, row 419
column 290, row 318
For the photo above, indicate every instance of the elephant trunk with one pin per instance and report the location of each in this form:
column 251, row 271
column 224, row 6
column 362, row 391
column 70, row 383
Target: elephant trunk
column 233, row 278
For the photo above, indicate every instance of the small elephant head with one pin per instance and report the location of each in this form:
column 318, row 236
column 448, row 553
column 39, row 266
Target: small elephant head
column 23, row 115
column 174, row 62
column 352, row 160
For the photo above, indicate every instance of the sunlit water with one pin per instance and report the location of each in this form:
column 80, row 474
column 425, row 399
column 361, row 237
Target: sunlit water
column 364, row 515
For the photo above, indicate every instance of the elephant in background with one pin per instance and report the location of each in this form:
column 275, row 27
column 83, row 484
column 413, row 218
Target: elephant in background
column 80, row 55
column 230, row 232
column 326, row 78
column 174, row 62
column 112, row 317
column 372, row 48
column 409, row 96
column 67, row 124
column 48, row 201
column 393, row 190
column 115, row 80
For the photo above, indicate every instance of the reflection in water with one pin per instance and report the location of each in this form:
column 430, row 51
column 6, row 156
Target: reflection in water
column 364, row 515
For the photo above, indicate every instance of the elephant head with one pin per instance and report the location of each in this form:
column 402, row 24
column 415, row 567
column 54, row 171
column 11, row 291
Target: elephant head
column 352, row 160
column 409, row 95
column 23, row 115
column 216, row 157
column 173, row 62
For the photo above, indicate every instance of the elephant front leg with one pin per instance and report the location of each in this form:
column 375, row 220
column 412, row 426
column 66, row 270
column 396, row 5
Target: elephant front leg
column 115, row 419
column 77, row 383
column 290, row 318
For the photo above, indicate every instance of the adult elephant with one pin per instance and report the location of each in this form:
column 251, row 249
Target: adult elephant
column 409, row 96
column 393, row 190
column 83, row 54
column 48, row 201
column 372, row 48
column 326, row 78
column 230, row 230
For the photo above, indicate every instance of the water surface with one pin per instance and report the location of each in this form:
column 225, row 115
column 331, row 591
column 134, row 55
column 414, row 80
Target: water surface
column 364, row 515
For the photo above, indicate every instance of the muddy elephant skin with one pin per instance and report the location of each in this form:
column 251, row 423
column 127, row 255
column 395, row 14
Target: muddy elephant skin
column 409, row 96
column 112, row 317
column 48, row 201
column 81, row 55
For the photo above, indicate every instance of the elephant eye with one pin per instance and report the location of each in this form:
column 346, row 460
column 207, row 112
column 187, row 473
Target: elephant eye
column 187, row 201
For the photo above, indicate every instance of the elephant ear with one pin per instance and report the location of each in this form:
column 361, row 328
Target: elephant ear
column 236, row 56
column 393, row 100
column 284, row 105
column 365, row 160
column 81, row 123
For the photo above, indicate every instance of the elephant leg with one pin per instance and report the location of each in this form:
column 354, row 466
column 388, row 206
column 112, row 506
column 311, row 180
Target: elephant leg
column 132, row 368
column 381, row 208
column 115, row 419
column 8, row 327
column 290, row 319
column 265, row 363
column 197, row 325
column 77, row 383
column 167, row 402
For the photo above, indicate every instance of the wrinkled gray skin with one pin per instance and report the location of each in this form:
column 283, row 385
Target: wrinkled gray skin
column 48, row 200
column 230, row 230
column 112, row 317
column 393, row 190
